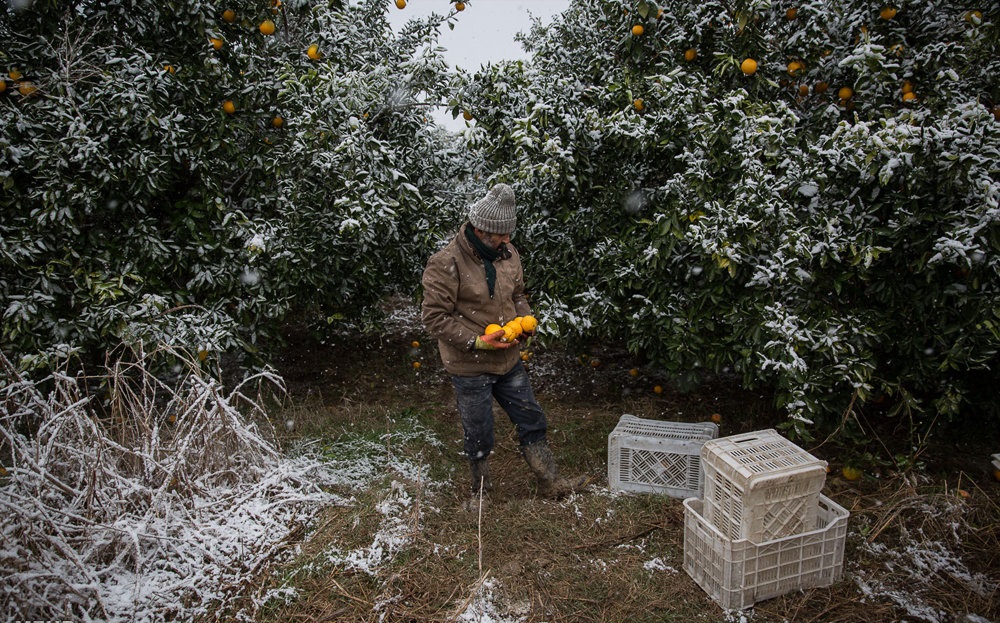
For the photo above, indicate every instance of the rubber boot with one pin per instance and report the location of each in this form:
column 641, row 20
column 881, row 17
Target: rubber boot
column 539, row 457
column 482, row 483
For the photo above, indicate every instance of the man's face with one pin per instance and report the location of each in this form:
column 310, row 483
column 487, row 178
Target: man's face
column 493, row 241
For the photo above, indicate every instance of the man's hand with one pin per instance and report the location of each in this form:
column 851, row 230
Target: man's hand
column 493, row 341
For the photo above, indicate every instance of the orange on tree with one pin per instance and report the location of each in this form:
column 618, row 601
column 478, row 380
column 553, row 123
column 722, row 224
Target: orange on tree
column 416, row 365
column 266, row 28
column 459, row 6
column 637, row 30
column 909, row 96
column 466, row 115
column 400, row 4
column 907, row 87
column 795, row 68
column 216, row 42
column 638, row 104
column 3, row 86
column 887, row 13
column 415, row 344
column 974, row 17
column 717, row 418
column 845, row 93
column 820, row 87
column 658, row 389
column 229, row 15
column 313, row 52
column 791, row 13
column 277, row 121
column 169, row 69
column 26, row 88
column 15, row 74
column 748, row 66
column 229, row 107
column 803, row 90
column 996, row 474
column 633, row 372
column 690, row 54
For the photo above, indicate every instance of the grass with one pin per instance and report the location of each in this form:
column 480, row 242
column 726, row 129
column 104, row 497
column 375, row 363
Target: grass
column 914, row 547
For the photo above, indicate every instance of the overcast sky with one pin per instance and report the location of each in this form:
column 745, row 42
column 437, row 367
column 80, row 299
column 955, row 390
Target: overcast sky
column 484, row 31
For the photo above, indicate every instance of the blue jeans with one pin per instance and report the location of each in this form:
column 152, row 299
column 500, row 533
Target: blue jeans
column 512, row 391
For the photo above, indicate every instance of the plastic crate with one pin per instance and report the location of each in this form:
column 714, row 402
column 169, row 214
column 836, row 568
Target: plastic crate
column 760, row 486
column 653, row 456
column 996, row 460
column 737, row 574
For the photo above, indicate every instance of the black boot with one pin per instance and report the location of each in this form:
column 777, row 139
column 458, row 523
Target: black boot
column 481, row 485
column 539, row 457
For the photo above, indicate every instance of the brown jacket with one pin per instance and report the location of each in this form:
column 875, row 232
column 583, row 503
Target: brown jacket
column 457, row 306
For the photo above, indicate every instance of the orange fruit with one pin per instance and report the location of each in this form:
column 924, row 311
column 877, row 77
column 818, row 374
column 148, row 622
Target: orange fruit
column 595, row 363
column 974, row 17
column 26, row 88
column 467, row 115
column 267, row 28
column 749, row 66
column 202, row 355
column 909, row 97
column 851, row 473
column 820, row 87
column 525, row 356
column 795, row 68
column 996, row 474
column 15, row 74
column 907, row 87
column 658, row 389
column 171, row 418
column 791, row 13
column 229, row 15
column 216, row 42
column 633, row 372
column 717, row 418
column 962, row 493
column 491, row 329
column 169, row 69
column 277, row 121
column 690, row 54
column 638, row 104
column 415, row 344
column 3, row 86
column 416, row 365
column 509, row 333
column 637, row 30
column 529, row 323
column 459, row 6
column 313, row 52
column 229, row 106
column 887, row 13
column 803, row 90
column 400, row 4
column 845, row 93
column 515, row 327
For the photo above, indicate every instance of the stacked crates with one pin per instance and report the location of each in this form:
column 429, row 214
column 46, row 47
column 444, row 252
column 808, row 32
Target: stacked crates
column 762, row 528
column 653, row 456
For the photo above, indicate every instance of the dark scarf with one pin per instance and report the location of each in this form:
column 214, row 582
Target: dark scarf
column 488, row 256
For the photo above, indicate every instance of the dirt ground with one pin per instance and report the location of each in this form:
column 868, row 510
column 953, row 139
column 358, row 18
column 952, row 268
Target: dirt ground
column 918, row 549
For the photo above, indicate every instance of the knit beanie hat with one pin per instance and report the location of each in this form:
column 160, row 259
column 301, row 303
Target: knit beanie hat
column 495, row 213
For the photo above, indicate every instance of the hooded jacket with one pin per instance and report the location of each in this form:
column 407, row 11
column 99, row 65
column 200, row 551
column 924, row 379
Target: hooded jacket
column 457, row 306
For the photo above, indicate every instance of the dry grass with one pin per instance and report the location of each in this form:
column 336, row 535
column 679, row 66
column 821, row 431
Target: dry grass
column 915, row 550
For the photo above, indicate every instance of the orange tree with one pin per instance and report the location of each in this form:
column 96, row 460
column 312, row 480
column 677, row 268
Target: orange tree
column 197, row 173
column 821, row 218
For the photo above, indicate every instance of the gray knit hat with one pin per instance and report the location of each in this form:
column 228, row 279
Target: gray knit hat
column 495, row 213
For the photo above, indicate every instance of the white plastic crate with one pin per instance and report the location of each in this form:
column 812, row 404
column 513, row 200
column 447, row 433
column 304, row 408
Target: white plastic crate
column 737, row 574
column 654, row 456
column 760, row 486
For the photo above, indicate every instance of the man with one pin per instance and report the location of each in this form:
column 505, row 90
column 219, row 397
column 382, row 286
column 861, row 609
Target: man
column 475, row 281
